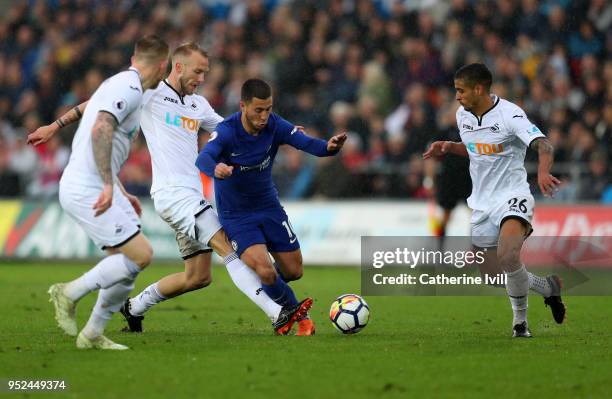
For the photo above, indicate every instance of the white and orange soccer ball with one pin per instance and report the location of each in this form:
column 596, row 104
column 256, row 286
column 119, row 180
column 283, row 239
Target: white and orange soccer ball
column 349, row 313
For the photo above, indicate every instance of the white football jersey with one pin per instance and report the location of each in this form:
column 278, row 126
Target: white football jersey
column 170, row 123
column 121, row 96
column 496, row 143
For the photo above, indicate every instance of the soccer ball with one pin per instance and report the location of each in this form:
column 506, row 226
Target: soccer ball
column 349, row 313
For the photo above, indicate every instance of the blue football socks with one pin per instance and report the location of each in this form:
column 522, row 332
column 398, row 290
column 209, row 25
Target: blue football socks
column 280, row 292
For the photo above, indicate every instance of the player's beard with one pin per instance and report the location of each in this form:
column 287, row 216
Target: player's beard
column 186, row 88
column 183, row 87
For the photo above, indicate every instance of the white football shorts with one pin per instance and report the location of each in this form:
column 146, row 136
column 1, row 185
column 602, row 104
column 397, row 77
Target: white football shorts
column 486, row 224
column 190, row 215
column 112, row 229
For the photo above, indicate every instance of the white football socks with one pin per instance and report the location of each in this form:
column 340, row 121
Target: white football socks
column 109, row 301
column 107, row 272
column 536, row 283
column 149, row 297
column 249, row 283
column 539, row 285
column 517, row 286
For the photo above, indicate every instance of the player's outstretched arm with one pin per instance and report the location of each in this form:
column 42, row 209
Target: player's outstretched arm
column 336, row 142
column 102, row 144
column 440, row 148
column 44, row 133
column 548, row 183
column 297, row 138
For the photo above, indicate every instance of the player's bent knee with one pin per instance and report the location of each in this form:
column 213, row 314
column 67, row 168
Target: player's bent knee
column 200, row 283
column 293, row 275
column 138, row 250
column 144, row 257
column 266, row 274
column 148, row 258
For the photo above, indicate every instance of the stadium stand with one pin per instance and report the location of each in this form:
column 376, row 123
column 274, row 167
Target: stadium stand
column 381, row 70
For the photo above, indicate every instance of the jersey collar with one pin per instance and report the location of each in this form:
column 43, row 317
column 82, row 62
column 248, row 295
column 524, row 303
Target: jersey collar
column 495, row 102
column 177, row 93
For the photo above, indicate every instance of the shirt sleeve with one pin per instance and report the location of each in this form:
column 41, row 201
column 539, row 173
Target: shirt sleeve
column 522, row 127
column 210, row 118
column 120, row 97
column 289, row 134
column 209, row 156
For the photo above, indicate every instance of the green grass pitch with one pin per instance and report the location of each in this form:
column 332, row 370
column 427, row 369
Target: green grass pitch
column 215, row 344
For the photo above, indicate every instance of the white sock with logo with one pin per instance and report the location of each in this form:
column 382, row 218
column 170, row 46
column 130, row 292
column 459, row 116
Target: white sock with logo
column 107, row 272
column 536, row 283
column 144, row 301
column 539, row 285
column 249, row 283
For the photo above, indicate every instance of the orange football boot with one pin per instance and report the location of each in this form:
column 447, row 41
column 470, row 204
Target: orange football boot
column 289, row 315
column 306, row 327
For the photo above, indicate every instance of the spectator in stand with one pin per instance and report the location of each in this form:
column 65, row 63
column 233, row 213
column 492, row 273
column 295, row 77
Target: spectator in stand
column 418, row 131
column 9, row 180
column 593, row 186
column 584, row 42
column 603, row 130
column 293, row 173
column 23, row 161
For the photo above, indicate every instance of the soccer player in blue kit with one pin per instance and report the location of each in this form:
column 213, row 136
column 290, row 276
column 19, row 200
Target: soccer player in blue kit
column 239, row 155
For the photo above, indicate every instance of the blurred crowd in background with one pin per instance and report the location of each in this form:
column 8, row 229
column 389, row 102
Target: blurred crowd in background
column 380, row 70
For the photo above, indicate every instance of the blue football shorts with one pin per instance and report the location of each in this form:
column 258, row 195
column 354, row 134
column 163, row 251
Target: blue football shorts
column 270, row 227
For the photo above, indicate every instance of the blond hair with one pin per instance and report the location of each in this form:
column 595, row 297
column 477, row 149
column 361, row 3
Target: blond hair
column 151, row 48
column 186, row 49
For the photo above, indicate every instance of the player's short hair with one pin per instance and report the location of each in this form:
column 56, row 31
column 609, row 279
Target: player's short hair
column 151, row 48
column 255, row 88
column 474, row 74
column 186, row 49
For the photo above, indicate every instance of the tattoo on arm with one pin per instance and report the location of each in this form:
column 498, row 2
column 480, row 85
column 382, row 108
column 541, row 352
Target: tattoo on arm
column 542, row 145
column 71, row 116
column 102, row 143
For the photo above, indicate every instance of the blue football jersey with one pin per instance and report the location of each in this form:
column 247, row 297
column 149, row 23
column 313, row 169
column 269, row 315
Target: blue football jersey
column 250, row 187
